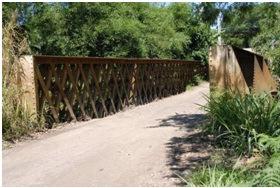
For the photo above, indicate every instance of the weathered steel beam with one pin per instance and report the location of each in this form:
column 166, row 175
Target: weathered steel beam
column 78, row 88
column 42, row 59
column 239, row 70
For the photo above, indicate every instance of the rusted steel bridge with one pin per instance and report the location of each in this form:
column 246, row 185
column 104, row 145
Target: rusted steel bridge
column 79, row 88
column 239, row 70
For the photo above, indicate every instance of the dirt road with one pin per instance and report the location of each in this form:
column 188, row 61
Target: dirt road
column 137, row 147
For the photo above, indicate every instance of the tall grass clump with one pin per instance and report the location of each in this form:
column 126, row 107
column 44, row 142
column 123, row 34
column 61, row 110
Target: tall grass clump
column 270, row 174
column 236, row 120
column 218, row 176
column 242, row 124
column 16, row 119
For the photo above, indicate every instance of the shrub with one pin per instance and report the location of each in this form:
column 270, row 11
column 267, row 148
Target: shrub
column 217, row 176
column 16, row 119
column 241, row 123
column 196, row 80
column 236, row 119
column 268, row 144
column 270, row 175
column 220, row 175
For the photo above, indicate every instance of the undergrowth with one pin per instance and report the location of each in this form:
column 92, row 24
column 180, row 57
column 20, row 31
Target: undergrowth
column 236, row 120
column 16, row 118
column 270, row 174
column 196, row 80
column 249, row 126
column 218, row 176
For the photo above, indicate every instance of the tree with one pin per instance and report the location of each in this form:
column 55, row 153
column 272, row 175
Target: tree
column 267, row 41
column 241, row 24
column 115, row 29
column 197, row 30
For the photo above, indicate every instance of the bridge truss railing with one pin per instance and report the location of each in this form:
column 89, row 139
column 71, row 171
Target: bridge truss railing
column 79, row 88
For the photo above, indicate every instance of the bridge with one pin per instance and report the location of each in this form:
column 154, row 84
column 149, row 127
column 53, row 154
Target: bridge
column 154, row 135
column 66, row 89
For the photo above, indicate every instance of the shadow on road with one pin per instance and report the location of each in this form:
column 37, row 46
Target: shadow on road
column 189, row 150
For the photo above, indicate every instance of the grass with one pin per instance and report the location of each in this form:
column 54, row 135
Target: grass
column 270, row 174
column 247, row 126
column 16, row 119
column 196, row 80
column 236, row 120
column 218, row 176
column 263, row 171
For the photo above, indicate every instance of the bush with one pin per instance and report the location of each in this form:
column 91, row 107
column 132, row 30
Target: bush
column 268, row 144
column 270, row 174
column 218, row 176
column 16, row 119
column 236, row 119
column 196, row 80
column 241, row 123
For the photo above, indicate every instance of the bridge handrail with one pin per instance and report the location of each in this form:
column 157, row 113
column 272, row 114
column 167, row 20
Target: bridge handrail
column 79, row 88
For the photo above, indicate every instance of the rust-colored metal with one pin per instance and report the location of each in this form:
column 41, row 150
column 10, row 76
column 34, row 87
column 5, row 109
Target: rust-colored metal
column 239, row 70
column 98, row 60
column 78, row 88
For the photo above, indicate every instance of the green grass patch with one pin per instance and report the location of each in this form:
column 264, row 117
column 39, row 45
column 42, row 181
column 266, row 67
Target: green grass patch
column 264, row 171
column 218, row 176
column 196, row 80
column 248, row 128
column 237, row 120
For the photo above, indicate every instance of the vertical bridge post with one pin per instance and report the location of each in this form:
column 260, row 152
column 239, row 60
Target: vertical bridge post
column 28, row 84
column 239, row 70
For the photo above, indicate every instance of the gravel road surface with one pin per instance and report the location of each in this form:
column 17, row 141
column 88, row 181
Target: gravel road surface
column 136, row 147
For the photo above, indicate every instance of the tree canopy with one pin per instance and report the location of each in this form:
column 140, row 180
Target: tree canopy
column 148, row 30
column 114, row 29
column 248, row 25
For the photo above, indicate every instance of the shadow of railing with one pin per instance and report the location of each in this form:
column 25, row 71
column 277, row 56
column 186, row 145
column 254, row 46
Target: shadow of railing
column 186, row 152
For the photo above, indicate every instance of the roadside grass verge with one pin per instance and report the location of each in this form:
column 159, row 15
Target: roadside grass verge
column 195, row 81
column 17, row 121
column 248, row 127
column 236, row 120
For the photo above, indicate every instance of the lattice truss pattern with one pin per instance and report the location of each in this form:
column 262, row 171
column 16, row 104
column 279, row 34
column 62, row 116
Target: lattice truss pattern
column 74, row 90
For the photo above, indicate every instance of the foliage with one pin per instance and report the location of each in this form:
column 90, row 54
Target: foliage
column 217, row 176
column 208, row 11
column 149, row 30
column 270, row 174
column 16, row 119
column 242, row 123
column 265, row 171
column 114, row 29
column 240, row 24
column 196, row 80
column 236, row 120
column 267, row 41
column 269, row 144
